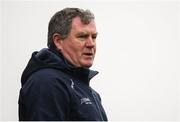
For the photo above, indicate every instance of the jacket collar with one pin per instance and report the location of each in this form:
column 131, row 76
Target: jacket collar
column 82, row 74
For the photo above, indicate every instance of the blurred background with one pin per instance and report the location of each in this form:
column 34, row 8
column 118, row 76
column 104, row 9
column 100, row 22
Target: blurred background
column 138, row 54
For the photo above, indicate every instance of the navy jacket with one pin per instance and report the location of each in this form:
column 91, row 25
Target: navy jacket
column 52, row 89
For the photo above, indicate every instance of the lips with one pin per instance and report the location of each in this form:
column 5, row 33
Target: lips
column 88, row 54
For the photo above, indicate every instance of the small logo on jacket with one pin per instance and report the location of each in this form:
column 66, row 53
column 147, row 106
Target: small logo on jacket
column 86, row 101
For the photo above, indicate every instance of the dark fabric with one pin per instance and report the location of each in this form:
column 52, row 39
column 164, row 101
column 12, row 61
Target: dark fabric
column 52, row 89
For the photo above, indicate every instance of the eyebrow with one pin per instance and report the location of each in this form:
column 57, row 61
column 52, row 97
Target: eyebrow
column 85, row 33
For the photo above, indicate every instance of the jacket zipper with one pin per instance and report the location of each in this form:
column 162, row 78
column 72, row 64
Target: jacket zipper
column 97, row 105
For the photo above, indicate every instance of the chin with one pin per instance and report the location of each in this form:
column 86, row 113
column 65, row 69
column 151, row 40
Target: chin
column 87, row 65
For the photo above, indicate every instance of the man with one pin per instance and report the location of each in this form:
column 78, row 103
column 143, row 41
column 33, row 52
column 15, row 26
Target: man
column 55, row 83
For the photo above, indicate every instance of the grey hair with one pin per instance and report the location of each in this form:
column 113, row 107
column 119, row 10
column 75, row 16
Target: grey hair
column 61, row 22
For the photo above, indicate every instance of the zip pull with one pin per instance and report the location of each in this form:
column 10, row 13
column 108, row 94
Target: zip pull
column 72, row 84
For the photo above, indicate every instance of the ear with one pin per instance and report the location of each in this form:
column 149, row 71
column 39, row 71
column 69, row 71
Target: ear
column 57, row 41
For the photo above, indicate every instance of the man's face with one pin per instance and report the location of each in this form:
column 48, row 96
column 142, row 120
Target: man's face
column 79, row 47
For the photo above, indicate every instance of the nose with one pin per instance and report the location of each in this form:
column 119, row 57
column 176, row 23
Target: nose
column 90, row 43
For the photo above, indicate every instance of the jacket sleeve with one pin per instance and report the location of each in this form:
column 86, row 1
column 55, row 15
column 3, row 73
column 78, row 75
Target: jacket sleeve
column 44, row 97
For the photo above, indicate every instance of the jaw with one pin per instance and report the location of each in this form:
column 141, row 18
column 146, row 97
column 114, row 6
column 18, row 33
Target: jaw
column 86, row 62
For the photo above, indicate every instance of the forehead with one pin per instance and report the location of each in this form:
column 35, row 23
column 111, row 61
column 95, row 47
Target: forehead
column 78, row 25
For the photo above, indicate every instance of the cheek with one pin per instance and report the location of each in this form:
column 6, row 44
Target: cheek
column 94, row 50
column 77, row 49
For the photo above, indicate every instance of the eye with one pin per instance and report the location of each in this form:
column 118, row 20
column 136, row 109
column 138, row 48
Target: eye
column 94, row 36
column 82, row 37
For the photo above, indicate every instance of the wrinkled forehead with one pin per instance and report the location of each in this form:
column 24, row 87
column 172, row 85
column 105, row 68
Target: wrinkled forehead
column 78, row 25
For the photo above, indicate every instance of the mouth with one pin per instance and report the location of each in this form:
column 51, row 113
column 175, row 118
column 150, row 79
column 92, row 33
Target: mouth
column 88, row 54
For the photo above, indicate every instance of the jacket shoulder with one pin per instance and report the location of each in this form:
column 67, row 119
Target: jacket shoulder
column 48, row 75
column 44, row 94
